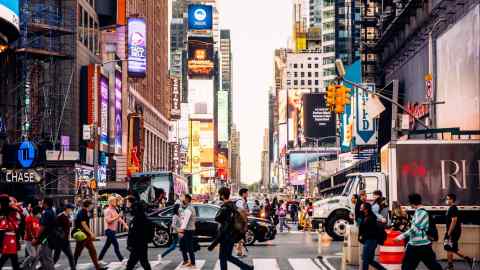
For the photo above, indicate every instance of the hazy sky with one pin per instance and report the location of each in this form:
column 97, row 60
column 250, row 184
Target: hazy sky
column 257, row 28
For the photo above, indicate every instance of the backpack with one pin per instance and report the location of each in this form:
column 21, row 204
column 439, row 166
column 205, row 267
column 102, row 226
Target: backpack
column 432, row 232
column 381, row 234
column 239, row 225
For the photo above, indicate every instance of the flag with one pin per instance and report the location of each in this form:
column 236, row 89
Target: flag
column 375, row 106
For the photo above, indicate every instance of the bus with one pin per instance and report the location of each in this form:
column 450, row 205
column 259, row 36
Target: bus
column 148, row 186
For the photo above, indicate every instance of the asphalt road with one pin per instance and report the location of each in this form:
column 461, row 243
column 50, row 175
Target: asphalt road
column 289, row 251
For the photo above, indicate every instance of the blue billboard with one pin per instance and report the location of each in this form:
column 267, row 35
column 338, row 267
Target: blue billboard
column 200, row 17
column 9, row 11
column 137, row 47
column 354, row 74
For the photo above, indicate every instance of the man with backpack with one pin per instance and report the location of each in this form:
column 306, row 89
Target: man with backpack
column 420, row 235
column 233, row 225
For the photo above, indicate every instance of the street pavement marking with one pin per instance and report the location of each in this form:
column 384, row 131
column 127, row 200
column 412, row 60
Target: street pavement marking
column 270, row 264
column 303, row 264
column 198, row 265
column 231, row 266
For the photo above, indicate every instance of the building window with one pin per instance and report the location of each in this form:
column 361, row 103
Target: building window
column 295, row 74
column 309, row 82
column 328, row 60
column 302, row 74
column 301, row 65
column 316, row 82
column 309, row 74
column 327, row 49
column 295, row 82
column 302, row 82
column 309, row 65
column 316, row 65
column 294, row 65
column 316, row 74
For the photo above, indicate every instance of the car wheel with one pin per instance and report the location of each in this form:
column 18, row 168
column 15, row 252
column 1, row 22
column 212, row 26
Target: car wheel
column 337, row 226
column 161, row 238
column 249, row 238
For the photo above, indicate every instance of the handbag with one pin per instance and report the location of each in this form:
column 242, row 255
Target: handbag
column 79, row 235
column 9, row 243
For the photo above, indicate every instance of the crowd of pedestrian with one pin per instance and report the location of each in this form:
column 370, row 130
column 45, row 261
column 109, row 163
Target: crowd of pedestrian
column 419, row 233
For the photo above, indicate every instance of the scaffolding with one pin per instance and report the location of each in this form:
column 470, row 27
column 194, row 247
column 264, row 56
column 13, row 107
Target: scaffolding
column 45, row 67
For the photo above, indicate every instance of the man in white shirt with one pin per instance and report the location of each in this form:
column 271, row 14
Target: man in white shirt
column 242, row 204
column 186, row 231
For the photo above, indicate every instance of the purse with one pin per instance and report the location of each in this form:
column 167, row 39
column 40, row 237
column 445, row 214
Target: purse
column 79, row 235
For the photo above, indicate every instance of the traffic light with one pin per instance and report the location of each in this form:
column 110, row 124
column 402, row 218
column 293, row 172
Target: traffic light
column 347, row 94
column 339, row 99
column 331, row 97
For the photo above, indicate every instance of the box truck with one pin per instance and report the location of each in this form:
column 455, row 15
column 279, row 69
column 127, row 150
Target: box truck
column 431, row 168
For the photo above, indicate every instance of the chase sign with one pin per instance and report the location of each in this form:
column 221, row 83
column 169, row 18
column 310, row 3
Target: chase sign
column 200, row 17
column 26, row 154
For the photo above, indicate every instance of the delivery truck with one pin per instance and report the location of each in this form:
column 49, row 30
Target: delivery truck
column 431, row 168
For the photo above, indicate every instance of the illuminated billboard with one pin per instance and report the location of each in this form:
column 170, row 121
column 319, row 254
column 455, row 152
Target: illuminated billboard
column 103, row 110
column 9, row 19
column 282, row 106
column 222, row 116
column 175, row 112
column 137, row 47
column 206, row 143
column 200, row 17
column 300, row 162
column 295, row 121
column 200, row 57
column 118, row 112
column 318, row 122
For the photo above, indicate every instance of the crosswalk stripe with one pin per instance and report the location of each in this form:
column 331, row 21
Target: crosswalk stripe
column 198, row 265
column 303, row 264
column 231, row 266
column 270, row 264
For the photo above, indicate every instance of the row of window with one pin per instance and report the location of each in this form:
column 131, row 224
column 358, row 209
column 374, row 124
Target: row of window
column 301, row 65
column 303, row 82
column 302, row 74
column 88, row 31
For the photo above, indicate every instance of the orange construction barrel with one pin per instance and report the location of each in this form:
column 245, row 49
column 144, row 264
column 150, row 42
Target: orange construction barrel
column 391, row 253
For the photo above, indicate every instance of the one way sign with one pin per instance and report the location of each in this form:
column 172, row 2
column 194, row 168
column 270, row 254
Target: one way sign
column 366, row 129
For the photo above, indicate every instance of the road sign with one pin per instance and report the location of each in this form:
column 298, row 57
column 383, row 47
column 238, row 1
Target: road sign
column 366, row 131
column 26, row 154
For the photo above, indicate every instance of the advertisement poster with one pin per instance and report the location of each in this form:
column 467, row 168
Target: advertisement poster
column 103, row 110
column 206, row 143
column 354, row 74
column 222, row 114
column 298, row 169
column 317, row 120
column 282, row 106
column 295, row 120
column 137, row 47
column 9, row 11
column 118, row 112
column 366, row 129
column 200, row 17
column 441, row 169
column 200, row 57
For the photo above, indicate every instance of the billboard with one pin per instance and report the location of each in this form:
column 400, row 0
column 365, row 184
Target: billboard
column 318, row 122
column 9, row 12
column 136, row 139
column 459, row 84
column 298, row 168
column 222, row 116
column 137, row 47
column 200, row 17
column 295, row 121
column 206, row 143
column 282, row 106
column 200, row 64
column 118, row 112
column 103, row 110
column 175, row 112
column 366, row 128
column 353, row 74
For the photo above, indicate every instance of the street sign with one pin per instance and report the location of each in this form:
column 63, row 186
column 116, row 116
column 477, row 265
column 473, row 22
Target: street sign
column 26, row 154
column 429, row 87
column 87, row 133
column 366, row 131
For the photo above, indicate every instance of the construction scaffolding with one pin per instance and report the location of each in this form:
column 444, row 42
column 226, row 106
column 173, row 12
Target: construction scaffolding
column 45, row 58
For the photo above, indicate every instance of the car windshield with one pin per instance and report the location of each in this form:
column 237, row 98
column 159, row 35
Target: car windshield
column 348, row 187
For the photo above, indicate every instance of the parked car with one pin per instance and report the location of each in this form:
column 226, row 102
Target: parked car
column 260, row 230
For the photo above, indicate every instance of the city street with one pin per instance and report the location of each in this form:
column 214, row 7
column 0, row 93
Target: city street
column 290, row 251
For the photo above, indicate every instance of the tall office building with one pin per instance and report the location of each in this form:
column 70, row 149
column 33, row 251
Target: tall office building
column 226, row 70
column 235, row 162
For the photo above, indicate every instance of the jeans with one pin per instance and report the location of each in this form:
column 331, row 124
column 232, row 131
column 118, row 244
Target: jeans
column 111, row 240
column 65, row 248
column 186, row 245
column 45, row 256
column 139, row 254
column 172, row 247
column 283, row 223
column 13, row 259
column 226, row 248
column 416, row 254
column 368, row 256
column 31, row 260
column 87, row 243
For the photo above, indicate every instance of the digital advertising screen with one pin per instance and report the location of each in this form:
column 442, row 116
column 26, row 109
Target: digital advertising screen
column 103, row 110
column 222, row 116
column 137, row 47
column 200, row 62
column 118, row 112
column 318, row 122
column 200, row 17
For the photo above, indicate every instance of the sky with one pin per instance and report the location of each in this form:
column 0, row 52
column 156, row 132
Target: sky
column 257, row 28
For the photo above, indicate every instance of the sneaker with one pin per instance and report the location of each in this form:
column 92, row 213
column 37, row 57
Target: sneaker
column 185, row 263
column 124, row 261
column 102, row 263
column 189, row 264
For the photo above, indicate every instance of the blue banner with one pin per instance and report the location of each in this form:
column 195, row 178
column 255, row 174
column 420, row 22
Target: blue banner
column 200, row 17
column 353, row 74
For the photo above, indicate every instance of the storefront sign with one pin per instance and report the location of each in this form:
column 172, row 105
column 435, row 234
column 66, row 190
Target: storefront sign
column 20, row 176
column 137, row 47
column 418, row 110
column 118, row 112
column 26, row 154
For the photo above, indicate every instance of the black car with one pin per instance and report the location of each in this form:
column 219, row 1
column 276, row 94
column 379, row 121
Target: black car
column 206, row 227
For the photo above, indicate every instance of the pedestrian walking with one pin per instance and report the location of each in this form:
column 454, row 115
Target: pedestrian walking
column 453, row 233
column 273, row 211
column 138, row 236
column 256, row 209
column 282, row 215
column 227, row 234
column 64, row 224
column 294, row 212
column 400, row 221
column 32, row 232
column 186, row 231
column 47, row 239
column 9, row 225
column 267, row 209
column 174, row 227
column 368, row 235
column 112, row 219
column 308, row 216
column 419, row 247
column 362, row 198
column 379, row 207
column 83, row 235
column 242, row 205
